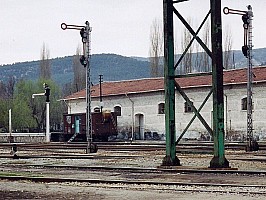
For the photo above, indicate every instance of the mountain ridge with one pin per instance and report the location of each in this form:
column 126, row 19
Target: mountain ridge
column 113, row 67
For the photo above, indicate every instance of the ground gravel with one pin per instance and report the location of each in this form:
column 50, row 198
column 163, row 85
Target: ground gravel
column 31, row 190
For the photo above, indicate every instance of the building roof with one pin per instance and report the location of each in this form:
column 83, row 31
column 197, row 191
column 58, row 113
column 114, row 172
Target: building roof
column 231, row 77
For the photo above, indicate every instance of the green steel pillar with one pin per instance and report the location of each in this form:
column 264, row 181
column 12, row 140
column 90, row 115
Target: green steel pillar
column 169, row 85
column 219, row 160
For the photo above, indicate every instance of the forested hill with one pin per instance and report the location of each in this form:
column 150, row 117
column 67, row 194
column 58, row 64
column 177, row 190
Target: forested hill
column 113, row 67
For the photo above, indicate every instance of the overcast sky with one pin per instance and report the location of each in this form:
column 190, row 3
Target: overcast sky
column 118, row 26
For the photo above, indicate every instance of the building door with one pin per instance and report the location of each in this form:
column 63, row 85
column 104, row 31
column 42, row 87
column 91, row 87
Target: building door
column 139, row 126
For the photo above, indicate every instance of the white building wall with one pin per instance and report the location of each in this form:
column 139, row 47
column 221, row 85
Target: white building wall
column 146, row 104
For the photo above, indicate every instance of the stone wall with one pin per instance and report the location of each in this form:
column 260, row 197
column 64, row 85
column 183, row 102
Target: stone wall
column 144, row 107
column 23, row 138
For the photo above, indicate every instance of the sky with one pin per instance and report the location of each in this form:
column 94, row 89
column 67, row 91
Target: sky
column 118, row 26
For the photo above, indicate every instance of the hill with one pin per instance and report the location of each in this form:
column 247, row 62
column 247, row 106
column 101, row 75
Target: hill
column 113, row 67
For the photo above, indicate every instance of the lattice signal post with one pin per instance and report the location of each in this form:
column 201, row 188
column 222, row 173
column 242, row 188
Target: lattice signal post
column 85, row 61
column 247, row 18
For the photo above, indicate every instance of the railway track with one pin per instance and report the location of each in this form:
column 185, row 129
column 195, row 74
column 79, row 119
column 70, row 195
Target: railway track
column 146, row 183
column 127, row 146
column 113, row 167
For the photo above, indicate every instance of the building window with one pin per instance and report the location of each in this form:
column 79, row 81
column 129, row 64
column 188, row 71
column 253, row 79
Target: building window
column 161, row 108
column 117, row 110
column 188, row 108
column 244, row 103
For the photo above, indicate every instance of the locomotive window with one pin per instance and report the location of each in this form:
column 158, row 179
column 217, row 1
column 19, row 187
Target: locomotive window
column 161, row 108
column 117, row 110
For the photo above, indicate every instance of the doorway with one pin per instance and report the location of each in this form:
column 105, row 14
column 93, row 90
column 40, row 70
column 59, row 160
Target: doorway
column 139, row 127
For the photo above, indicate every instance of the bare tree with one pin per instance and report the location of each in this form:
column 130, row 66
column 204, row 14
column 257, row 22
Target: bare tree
column 156, row 45
column 79, row 70
column 227, row 54
column 45, row 66
column 198, row 58
column 206, row 40
column 2, row 90
column 187, row 60
column 198, row 62
column 7, row 89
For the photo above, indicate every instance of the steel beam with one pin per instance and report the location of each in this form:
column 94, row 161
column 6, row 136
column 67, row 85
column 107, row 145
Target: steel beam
column 219, row 160
column 169, row 84
column 193, row 33
column 196, row 112
column 193, row 118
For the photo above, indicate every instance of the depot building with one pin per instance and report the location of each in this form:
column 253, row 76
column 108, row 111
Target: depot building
column 139, row 105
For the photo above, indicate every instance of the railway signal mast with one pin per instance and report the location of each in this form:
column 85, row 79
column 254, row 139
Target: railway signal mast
column 85, row 61
column 247, row 17
column 47, row 94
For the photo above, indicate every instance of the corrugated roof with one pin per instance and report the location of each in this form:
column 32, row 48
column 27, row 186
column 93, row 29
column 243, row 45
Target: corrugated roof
column 237, row 76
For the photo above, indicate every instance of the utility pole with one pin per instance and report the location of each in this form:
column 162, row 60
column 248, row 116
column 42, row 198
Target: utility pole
column 85, row 61
column 10, row 125
column 247, row 18
column 101, row 95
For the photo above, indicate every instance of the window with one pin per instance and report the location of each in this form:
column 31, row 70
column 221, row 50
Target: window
column 117, row 110
column 244, row 103
column 96, row 109
column 161, row 108
column 188, row 108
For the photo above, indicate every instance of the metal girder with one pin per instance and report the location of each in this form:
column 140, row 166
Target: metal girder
column 194, row 117
column 169, row 84
column 192, row 75
column 179, row 1
column 189, row 28
column 219, row 160
column 183, row 94
column 194, row 37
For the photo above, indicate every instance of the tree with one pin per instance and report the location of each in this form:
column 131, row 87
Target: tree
column 7, row 89
column 31, row 113
column 156, row 45
column 21, row 106
column 227, row 54
column 45, row 66
column 186, row 64
column 4, row 107
column 79, row 70
column 6, row 96
column 206, row 40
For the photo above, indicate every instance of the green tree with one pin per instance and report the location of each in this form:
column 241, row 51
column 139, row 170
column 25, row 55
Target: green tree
column 4, row 107
column 22, row 115
column 22, row 105
column 32, row 112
